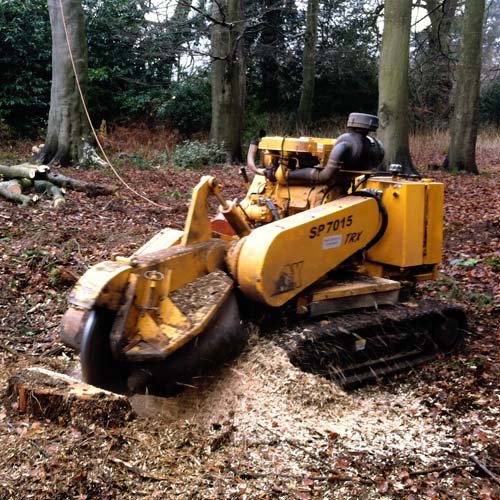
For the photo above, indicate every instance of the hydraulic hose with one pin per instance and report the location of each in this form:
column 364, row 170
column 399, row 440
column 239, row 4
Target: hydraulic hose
column 383, row 213
column 313, row 176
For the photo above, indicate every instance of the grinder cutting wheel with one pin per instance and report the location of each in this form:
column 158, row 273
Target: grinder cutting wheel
column 322, row 234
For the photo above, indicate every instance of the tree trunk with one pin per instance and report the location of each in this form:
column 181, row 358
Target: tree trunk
column 68, row 129
column 465, row 122
column 179, row 32
column 228, row 77
column 270, row 45
column 393, row 84
column 309, row 64
column 436, row 81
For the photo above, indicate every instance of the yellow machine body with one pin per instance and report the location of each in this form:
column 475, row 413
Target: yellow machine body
column 414, row 234
column 285, row 240
column 279, row 260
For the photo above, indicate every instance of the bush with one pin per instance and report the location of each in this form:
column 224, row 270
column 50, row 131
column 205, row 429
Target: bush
column 25, row 69
column 189, row 108
column 490, row 103
column 195, row 154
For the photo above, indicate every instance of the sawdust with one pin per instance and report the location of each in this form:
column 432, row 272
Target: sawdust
column 259, row 427
column 263, row 390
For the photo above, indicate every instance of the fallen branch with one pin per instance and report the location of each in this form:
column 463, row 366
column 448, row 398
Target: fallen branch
column 9, row 349
column 441, row 470
column 90, row 188
column 55, row 192
column 27, row 175
column 485, row 469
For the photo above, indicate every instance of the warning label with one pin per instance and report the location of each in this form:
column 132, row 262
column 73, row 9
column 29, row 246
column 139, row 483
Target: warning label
column 332, row 241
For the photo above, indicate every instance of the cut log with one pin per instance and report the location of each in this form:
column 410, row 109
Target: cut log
column 11, row 190
column 77, row 185
column 14, row 186
column 26, row 170
column 53, row 190
column 44, row 394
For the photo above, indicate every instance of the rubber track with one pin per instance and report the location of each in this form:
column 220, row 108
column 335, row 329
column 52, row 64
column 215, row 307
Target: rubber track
column 396, row 339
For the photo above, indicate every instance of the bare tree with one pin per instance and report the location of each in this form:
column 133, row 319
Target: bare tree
column 228, row 76
column 435, row 85
column 68, row 132
column 393, row 83
column 309, row 64
column 465, row 122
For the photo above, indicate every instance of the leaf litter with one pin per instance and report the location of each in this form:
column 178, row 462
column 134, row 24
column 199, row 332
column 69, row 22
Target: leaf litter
column 257, row 427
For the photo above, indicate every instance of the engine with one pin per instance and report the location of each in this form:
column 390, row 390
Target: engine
column 301, row 173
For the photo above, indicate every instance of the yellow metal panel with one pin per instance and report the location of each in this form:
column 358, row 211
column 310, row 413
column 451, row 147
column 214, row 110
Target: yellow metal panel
column 361, row 285
column 280, row 259
column 164, row 239
column 434, row 226
column 179, row 318
column 414, row 232
column 101, row 285
column 197, row 227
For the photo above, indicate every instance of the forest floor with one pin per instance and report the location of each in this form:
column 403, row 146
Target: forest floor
column 260, row 427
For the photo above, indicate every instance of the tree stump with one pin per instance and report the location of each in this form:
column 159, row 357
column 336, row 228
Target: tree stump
column 44, row 394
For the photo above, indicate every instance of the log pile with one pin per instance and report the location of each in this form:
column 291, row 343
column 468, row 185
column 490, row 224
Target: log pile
column 43, row 394
column 18, row 178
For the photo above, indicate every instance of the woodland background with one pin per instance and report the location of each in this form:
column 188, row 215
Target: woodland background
column 259, row 428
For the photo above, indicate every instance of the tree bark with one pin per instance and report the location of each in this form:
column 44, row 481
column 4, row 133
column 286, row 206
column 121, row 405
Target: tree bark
column 309, row 64
column 228, row 76
column 271, row 41
column 12, row 190
column 465, row 122
column 179, row 32
column 55, row 192
column 393, row 84
column 26, row 173
column 68, row 129
column 436, row 81
column 90, row 188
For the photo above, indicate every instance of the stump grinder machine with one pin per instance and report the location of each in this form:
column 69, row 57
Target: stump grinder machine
column 326, row 244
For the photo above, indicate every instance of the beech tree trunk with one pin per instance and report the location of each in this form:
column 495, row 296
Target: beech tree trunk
column 272, row 27
column 393, row 84
column 436, row 85
column 465, row 122
column 309, row 64
column 228, row 76
column 179, row 31
column 68, row 130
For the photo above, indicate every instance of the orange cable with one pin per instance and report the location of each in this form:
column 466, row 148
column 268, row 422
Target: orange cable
column 164, row 207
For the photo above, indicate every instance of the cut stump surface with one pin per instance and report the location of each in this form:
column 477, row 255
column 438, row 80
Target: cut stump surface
column 44, row 394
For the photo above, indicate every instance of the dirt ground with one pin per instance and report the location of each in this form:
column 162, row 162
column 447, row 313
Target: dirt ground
column 259, row 427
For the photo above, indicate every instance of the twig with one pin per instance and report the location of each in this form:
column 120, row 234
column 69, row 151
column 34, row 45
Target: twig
column 139, row 471
column 484, row 469
column 441, row 470
column 9, row 349
column 52, row 352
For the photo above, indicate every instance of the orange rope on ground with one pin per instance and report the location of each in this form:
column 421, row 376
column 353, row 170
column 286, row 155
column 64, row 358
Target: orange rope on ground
column 145, row 198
